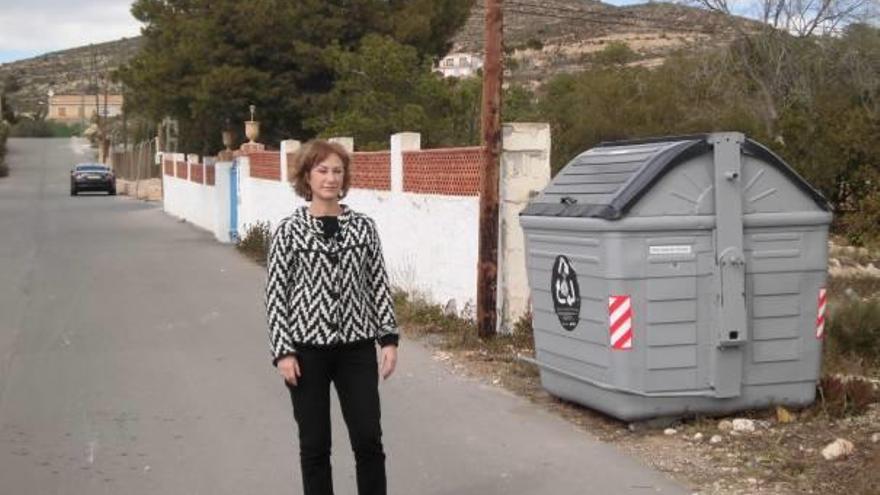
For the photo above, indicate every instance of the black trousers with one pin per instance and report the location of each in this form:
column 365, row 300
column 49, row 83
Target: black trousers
column 354, row 372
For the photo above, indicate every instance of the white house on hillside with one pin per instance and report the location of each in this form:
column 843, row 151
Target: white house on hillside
column 459, row 64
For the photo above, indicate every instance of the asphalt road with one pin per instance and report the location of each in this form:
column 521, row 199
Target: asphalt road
column 133, row 360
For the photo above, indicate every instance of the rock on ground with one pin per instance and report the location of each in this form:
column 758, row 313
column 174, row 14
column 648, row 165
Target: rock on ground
column 837, row 449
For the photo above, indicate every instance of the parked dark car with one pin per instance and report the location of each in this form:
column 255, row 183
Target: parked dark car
column 92, row 177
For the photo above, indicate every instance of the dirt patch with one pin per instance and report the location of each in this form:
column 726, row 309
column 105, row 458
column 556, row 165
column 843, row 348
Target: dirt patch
column 146, row 189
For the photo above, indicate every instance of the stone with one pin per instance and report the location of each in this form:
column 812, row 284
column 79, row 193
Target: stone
column 783, row 415
column 875, row 438
column 451, row 309
column 669, row 432
column 743, row 425
column 716, row 439
column 837, row 449
column 469, row 311
column 698, row 437
column 725, row 425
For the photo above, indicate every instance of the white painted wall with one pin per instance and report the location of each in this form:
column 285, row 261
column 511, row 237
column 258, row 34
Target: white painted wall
column 195, row 203
column 430, row 241
column 262, row 199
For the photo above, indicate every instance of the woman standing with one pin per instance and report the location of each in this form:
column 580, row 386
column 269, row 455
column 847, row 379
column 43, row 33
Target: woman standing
column 328, row 304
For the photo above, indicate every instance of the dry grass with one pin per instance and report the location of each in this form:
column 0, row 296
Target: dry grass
column 854, row 287
column 853, row 255
column 255, row 243
column 853, row 329
column 494, row 359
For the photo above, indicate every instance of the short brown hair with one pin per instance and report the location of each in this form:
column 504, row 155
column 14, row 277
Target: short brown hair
column 311, row 154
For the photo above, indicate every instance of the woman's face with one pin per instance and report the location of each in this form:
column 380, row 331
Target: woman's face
column 325, row 179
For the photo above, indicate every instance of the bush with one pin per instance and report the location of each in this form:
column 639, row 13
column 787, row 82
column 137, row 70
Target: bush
column 839, row 396
column 615, row 53
column 534, row 44
column 4, row 134
column 853, row 330
column 256, row 241
column 31, row 128
column 44, row 128
column 860, row 225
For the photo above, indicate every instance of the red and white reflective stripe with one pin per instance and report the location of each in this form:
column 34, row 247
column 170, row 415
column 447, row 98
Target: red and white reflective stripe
column 620, row 322
column 820, row 316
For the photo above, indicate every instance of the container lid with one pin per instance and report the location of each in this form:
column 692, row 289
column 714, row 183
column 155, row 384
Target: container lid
column 605, row 181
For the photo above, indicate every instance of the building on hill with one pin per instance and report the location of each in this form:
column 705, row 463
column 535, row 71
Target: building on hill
column 72, row 109
column 459, row 65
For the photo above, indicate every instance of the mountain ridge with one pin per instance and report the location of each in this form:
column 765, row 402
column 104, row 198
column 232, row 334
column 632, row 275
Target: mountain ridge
column 566, row 30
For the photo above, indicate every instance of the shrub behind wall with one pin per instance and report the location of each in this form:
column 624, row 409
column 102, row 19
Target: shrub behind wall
column 4, row 134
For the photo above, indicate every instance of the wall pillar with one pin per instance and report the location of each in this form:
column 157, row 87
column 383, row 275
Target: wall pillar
column 288, row 148
column 345, row 142
column 400, row 142
column 525, row 172
column 222, row 177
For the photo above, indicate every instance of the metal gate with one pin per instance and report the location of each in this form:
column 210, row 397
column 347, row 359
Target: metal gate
column 233, row 202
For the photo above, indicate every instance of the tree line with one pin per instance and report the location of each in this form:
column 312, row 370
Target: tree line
column 203, row 62
column 364, row 70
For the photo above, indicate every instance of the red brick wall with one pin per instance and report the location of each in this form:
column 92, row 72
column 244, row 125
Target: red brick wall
column 182, row 170
column 169, row 167
column 198, row 173
column 450, row 171
column 209, row 175
column 371, row 170
column 265, row 165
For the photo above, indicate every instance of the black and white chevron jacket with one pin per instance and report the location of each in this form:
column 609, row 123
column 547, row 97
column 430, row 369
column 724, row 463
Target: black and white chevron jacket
column 327, row 292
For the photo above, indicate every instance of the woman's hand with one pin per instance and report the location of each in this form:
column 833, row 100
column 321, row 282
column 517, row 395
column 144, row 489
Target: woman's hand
column 389, row 361
column 288, row 366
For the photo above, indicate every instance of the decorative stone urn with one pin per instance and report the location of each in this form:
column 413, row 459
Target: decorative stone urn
column 252, row 130
column 252, row 127
column 227, row 139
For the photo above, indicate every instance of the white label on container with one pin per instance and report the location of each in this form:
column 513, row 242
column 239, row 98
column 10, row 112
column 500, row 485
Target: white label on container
column 685, row 249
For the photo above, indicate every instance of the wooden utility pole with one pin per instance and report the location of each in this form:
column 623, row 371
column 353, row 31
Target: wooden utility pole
column 105, row 138
column 487, row 265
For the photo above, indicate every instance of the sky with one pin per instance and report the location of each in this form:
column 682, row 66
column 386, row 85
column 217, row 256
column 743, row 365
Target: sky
column 33, row 27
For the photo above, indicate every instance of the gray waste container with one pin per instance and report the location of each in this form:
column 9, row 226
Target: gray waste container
column 678, row 275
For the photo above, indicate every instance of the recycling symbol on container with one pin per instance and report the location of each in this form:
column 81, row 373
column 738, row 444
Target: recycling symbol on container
column 565, row 293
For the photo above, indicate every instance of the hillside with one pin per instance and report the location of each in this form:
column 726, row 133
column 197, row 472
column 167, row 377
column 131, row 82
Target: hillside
column 67, row 71
column 542, row 38
column 561, row 21
column 547, row 37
